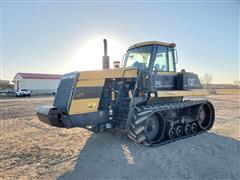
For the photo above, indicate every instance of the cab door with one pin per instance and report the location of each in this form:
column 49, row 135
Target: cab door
column 164, row 70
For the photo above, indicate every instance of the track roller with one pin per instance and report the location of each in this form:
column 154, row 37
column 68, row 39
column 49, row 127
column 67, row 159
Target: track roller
column 171, row 133
column 194, row 128
column 179, row 131
column 187, row 129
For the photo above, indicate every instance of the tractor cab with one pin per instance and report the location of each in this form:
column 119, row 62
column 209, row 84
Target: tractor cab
column 152, row 56
column 157, row 63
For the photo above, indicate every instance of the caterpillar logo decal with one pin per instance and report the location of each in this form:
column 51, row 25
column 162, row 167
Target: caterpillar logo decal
column 91, row 105
column 191, row 82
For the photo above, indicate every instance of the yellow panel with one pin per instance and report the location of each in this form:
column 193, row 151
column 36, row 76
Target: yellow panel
column 150, row 43
column 80, row 106
column 166, row 73
column 199, row 92
column 130, row 73
column 108, row 73
column 90, row 83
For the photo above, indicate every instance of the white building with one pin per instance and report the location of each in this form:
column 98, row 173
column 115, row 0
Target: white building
column 37, row 83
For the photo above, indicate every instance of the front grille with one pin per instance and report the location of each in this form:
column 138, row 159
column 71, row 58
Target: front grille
column 65, row 90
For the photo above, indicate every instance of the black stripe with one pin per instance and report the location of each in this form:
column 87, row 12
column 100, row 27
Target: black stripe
column 87, row 92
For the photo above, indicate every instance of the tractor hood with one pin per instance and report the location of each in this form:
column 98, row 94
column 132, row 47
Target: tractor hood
column 79, row 93
column 88, row 88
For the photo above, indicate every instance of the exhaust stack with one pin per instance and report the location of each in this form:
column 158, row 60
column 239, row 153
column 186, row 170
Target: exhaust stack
column 105, row 58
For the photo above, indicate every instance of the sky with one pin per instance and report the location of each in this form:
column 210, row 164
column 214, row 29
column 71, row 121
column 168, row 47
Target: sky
column 64, row 36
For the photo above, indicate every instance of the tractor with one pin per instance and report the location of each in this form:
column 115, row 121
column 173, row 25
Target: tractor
column 145, row 97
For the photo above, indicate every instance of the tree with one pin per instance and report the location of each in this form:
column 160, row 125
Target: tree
column 237, row 84
column 206, row 80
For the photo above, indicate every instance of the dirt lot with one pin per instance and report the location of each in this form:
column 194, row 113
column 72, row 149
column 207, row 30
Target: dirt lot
column 32, row 150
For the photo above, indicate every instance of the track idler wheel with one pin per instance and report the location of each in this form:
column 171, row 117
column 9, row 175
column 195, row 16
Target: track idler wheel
column 194, row 128
column 171, row 133
column 205, row 116
column 187, row 129
column 179, row 131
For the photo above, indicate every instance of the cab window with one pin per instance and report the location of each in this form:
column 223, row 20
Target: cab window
column 160, row 63
column 164, row 60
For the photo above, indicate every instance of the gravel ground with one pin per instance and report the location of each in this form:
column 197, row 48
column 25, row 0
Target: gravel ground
column 33, row 150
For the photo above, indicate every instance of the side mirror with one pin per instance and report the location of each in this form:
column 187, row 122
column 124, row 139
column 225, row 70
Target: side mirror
column 173, row 45
column 176, row 56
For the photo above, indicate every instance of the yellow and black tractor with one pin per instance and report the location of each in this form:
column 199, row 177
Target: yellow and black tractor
column 146, row 97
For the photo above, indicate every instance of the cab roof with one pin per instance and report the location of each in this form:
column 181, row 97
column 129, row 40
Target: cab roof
column 152, row 43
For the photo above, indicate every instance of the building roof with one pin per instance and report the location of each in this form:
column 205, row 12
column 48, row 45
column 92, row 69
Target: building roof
column 152, row 43
column 4, row 81
column 39, row 76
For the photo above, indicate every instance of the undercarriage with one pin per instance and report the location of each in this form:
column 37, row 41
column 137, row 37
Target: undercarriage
column 166, row 122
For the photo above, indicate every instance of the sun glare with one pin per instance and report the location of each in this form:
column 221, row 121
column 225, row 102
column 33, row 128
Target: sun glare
column 89, row 55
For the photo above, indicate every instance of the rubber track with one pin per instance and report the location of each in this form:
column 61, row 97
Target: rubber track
column 151, row 109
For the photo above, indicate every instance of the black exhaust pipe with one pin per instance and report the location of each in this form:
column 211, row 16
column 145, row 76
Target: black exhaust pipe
column 105, row 58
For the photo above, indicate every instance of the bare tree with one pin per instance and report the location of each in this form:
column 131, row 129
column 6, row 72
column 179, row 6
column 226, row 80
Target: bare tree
column 237, row 84
column 206, row 80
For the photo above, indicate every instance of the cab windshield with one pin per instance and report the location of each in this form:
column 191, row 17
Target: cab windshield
column 138, row 57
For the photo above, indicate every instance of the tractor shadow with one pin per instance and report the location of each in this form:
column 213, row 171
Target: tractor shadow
column 112, row 155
